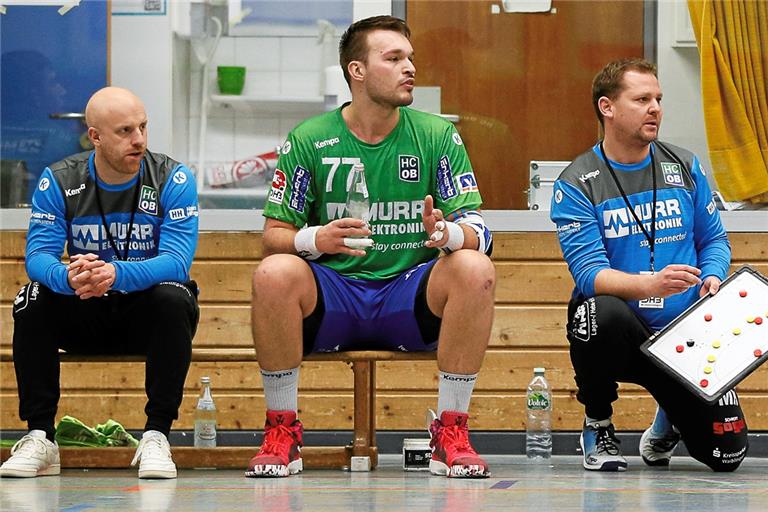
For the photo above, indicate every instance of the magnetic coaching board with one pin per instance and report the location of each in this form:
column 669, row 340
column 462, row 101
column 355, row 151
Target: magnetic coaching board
column 719, row 340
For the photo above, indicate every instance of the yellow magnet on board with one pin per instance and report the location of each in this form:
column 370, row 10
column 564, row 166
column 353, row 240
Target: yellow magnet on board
column 737, row 331
column 711, row 358
column 707, row 369
column 716, row 344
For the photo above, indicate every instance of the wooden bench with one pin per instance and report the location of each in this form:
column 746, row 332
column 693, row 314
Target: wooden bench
column 532, row 291
column 361, row 453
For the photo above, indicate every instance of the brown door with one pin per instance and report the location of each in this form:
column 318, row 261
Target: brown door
column 521, row 83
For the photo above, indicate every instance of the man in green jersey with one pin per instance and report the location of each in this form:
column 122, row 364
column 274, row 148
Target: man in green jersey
column 330, row 282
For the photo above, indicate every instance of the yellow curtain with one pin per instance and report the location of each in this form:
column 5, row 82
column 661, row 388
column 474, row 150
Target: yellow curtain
column 732, row 36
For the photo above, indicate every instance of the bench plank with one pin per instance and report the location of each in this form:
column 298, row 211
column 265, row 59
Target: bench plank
column 187, row 457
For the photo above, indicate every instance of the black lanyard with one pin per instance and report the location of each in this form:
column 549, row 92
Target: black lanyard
column 104, row 218
column 652, row 236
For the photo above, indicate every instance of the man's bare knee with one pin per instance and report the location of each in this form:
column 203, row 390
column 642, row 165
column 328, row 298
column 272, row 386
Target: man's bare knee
column 281, row 276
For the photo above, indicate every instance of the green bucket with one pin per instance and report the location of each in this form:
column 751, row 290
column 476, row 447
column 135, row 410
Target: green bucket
column 231, row 79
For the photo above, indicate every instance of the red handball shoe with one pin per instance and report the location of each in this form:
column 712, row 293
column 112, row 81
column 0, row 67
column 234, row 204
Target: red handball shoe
column 280, row 453
column 452, row 455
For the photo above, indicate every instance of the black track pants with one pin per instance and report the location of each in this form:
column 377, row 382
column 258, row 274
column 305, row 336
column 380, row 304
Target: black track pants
column 605, row 337
column 159, row 322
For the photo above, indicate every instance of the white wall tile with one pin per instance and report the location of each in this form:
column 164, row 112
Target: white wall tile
column 300, row 83
column 258, row 53
column 225, row 53
column 254, row 136
column 220, row 140
column 262, row 83
column 300, row 54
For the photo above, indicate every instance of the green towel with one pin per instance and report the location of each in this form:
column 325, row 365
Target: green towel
column 73, row 432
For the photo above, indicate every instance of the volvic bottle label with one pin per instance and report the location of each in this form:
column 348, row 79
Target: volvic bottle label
column 538, row 401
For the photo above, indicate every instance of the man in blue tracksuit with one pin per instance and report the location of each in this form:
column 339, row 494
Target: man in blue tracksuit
column 129, row 220
column 643, row 241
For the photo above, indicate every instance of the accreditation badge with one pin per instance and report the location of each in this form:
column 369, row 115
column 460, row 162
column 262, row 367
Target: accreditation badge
column 651, row 302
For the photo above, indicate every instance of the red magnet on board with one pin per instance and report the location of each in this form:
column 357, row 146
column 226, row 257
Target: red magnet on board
column 707, row 317
column 758, row 320
column 679, row 348
column 743, row 293
column 704, row 383
column 758, row 352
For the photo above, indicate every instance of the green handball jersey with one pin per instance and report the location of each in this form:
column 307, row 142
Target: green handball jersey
column 423, row 155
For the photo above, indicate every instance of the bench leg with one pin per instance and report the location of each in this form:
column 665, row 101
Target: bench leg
column 364, row 444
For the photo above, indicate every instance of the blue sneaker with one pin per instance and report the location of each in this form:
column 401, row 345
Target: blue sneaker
column 601, row 448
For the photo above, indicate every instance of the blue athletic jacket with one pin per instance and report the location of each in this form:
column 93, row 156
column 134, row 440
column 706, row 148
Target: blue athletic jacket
column 597, row 231
column 65, row 211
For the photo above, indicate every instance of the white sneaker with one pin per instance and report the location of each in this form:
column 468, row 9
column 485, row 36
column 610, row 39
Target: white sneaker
column 32, row 455
column 657, row 449
column 154, row 452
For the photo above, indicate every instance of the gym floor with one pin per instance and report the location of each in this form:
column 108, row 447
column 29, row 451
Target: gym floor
column 516, row 484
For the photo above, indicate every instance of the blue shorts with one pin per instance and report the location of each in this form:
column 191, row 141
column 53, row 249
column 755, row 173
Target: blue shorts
column 360, row 314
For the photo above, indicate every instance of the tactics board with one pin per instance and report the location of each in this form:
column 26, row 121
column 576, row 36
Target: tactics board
column 719, row 340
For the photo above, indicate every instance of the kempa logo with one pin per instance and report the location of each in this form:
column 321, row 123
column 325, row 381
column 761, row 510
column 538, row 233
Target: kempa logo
column 74, row 191
column 594, row 174
column 320, row 144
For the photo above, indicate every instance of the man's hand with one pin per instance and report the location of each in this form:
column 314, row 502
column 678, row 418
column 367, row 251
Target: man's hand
column 90, row 276
column 711, row 285
column 99, row 282
column 434, row 224
column 673, row 279
column 81, row 263
column 337, row 236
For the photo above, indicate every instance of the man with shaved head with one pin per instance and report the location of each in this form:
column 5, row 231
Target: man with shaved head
column 128, row 218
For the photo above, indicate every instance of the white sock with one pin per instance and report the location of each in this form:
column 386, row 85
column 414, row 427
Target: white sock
column 454, row 392
column 597, row 423
column 281, row 389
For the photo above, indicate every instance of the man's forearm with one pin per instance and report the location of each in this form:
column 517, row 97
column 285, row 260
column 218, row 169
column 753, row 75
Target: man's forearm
column 279, row 240
column 620, row 284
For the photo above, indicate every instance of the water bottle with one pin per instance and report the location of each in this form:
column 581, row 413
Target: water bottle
column 358, row 205
column 205, row 417
column 538, row 434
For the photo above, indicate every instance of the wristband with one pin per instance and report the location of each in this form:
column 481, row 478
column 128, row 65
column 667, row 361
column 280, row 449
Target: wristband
column 304, row 242
column 455, row 237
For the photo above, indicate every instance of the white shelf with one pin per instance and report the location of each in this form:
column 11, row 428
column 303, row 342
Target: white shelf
column 271, row 104
column 234, row 192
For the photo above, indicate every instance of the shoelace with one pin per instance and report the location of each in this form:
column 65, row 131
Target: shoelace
column 150, row 445
column 27, row 445
column 458, row 438
column 606, row 442
column 664, row 444
column 273, row 443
